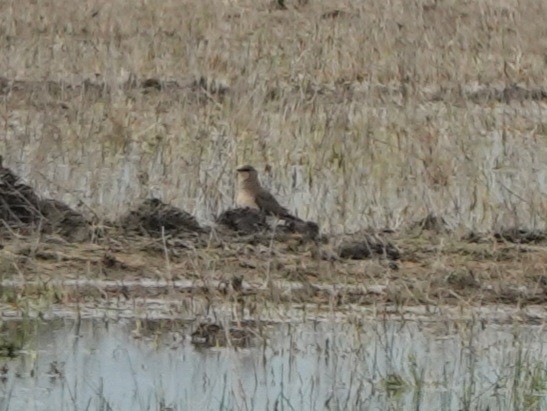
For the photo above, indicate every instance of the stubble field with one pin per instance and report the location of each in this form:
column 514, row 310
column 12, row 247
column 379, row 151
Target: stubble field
column 413, row 132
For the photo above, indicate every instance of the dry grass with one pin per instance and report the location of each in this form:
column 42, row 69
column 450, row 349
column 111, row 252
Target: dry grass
column 371, row 117
column 438, row 273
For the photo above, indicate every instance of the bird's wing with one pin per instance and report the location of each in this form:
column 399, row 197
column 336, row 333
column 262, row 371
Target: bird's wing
column 267, row 203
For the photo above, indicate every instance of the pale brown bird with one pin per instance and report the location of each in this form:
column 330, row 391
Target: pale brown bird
column 251, row 194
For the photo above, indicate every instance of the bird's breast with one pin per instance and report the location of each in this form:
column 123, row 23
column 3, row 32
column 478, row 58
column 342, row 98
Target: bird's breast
column 245, row 199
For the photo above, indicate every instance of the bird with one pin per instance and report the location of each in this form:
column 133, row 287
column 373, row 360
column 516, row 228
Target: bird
column 252, row 195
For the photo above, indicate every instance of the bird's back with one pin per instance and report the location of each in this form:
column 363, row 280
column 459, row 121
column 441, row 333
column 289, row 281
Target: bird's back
column 267, row 203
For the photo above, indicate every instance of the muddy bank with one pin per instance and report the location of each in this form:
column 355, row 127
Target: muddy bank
column 253, row 259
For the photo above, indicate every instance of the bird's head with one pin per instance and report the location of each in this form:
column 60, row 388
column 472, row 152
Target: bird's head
column 247, row 173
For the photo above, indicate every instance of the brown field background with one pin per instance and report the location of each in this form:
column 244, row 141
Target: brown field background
column 372, row 116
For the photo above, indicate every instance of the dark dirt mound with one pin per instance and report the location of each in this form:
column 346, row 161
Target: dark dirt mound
column 243, row 220
column 521, row 236
column 509, row 235
column 22, row 209
column 308, row 229
column 248, row 221
column 153, row 215
column 19, row 205
column 367, row 247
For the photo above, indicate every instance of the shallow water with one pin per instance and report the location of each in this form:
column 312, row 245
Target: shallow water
column 95, row 365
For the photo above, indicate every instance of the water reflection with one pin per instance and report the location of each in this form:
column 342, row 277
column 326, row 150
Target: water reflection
column 374, row 365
